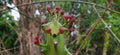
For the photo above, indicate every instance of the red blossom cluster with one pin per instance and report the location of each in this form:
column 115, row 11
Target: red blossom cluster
column 69, row 18
column 36, row 40
column 60, row 11
column 56, row 10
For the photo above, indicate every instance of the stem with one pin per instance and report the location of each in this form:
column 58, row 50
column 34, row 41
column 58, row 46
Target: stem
column 50, row 45
column 43, row 45
column 106, row 43
column 91, row 30
column 107, row 25
column 64, row 1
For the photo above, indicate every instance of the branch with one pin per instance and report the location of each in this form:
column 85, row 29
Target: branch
column 107, row 25
column 63, row 1
column 91, row 30
column 9, row 49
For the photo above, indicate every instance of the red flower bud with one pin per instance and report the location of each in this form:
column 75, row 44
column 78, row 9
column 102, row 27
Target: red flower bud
column 71, row 29
column 57, row 8
column 48, row 30
column 36, row 40
column 48, row 8
column 67, row 17
column 61, row 30
column 72, row 19
column 53, row 12
column 43, row 21
column 62, row 12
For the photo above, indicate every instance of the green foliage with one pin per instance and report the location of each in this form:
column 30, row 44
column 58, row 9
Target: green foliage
column 7, row 32
column 99, row 40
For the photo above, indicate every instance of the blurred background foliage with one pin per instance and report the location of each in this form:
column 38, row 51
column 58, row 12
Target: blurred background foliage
column 98, row 41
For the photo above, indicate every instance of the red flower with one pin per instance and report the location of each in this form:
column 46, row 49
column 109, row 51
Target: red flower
column 43, row 21
column 67, row 17
column 62, row 12
column 48, row 30
column 57, row 8
column 53, row 12
column 61, row 30
column 72, row 19
column 48, row 8
column 36, row 40
column 71, row 29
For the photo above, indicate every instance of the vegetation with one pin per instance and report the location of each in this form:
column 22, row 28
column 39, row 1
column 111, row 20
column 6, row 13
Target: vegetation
column 62, row 27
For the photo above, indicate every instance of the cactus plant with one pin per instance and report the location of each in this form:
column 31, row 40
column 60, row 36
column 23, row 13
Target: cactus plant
column 56, row 31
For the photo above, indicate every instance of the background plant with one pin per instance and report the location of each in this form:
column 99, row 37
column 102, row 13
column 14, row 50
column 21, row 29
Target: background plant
column 101, row 40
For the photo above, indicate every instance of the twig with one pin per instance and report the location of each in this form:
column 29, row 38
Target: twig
column 86, row 37
column 107, row 25
column 90, row 31
column 8, row 49
column 64, row 1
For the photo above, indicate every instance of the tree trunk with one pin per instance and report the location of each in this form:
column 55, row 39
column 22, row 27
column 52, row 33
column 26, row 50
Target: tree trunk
column 29, row 28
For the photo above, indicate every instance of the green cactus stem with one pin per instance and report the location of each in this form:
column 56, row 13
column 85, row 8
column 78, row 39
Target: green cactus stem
column 57, row 48
column 106, row 42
